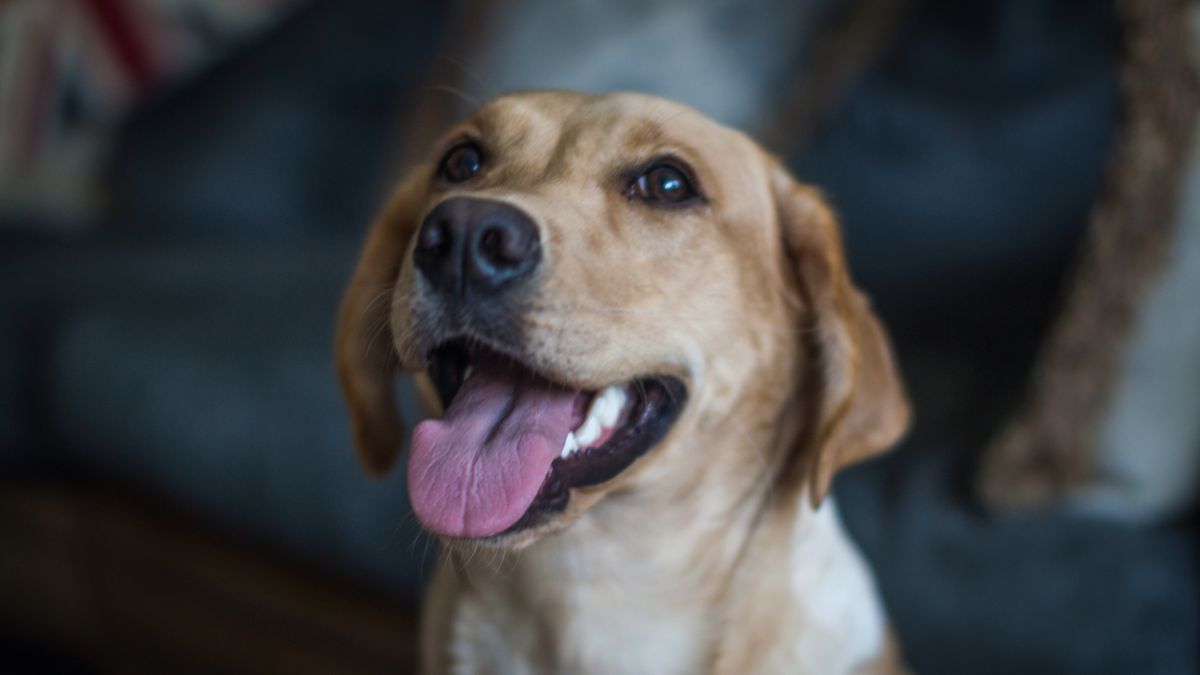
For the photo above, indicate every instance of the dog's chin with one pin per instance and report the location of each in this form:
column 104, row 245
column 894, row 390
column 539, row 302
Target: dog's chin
column 515, row 539
column 605, row 430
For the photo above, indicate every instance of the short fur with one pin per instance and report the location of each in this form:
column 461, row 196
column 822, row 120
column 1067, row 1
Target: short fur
column 719, row 550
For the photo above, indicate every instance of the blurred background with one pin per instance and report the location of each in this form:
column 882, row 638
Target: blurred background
column 184, row 185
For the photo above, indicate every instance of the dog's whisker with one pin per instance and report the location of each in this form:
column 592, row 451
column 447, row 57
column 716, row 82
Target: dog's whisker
column 381, row 327
column 472, row 72
column 386, row 292
column 462, row 95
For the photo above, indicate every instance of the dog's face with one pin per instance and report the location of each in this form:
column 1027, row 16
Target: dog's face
column 595, row 285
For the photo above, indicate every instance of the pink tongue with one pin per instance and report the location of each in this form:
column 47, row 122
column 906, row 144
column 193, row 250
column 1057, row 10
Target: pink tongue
column 475, row 472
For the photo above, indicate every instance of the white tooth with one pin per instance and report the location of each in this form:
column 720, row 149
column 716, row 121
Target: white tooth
column 570, row 445
column 600, row 407
column 614, row 402
column 598, row 410
column 589, row 432
column 470, row 370
column 612, row 406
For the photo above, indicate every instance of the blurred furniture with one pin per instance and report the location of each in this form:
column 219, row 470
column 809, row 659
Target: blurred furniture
column 1110, row 423
column 72, row 69
column 125, row 585
column 176, row 359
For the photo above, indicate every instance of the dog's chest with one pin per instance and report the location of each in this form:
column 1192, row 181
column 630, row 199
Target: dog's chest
column 589, row 631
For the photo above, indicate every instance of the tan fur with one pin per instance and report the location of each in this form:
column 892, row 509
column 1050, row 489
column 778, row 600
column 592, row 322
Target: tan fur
column 717, row 551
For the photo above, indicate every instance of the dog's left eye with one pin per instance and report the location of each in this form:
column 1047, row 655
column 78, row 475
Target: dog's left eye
column 663, row 183
column 461, row 163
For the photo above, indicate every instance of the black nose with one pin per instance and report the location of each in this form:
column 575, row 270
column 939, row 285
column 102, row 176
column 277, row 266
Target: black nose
column 476, row 244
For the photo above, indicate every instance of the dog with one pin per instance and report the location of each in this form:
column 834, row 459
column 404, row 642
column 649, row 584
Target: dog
column 646, row 360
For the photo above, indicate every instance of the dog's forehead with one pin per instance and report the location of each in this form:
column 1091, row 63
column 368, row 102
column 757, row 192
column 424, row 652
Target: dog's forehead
column 600, row 125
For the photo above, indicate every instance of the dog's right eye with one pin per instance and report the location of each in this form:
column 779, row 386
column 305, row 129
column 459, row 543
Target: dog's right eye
column 666, row 184
column 461, row 163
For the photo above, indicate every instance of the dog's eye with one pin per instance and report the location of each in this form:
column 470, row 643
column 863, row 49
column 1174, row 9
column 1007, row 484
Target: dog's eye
column 461, row 163
column 663, row 183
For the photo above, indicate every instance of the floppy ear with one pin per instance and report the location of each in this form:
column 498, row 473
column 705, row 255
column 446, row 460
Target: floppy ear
column 363, row 347
column 859, row 404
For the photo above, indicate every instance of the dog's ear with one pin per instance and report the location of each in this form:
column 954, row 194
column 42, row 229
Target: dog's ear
column 363, row 347
column 851, row 380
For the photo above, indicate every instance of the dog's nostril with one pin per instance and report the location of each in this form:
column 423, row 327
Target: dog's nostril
column 492, row 244
column 501, row 245
column 433, row 237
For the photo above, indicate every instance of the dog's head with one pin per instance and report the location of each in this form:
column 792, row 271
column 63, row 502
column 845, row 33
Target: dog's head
column 600, row 289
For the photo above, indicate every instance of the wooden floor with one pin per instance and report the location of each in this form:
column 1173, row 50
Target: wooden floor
column 126, row 586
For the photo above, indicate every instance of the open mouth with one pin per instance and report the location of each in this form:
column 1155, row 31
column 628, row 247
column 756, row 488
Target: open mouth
column 512, row 442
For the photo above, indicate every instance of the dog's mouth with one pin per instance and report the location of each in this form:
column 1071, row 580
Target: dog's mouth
column 512, row 442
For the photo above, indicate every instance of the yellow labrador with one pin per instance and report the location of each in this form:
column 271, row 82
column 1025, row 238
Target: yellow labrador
column 651, row 361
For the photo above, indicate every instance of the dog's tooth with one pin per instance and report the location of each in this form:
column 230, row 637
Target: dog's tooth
column 614, row 402
column 603, row 412
column 588, row 432
column 599, row 409
column 470, row 370
column 570, row 445
column 593, row 412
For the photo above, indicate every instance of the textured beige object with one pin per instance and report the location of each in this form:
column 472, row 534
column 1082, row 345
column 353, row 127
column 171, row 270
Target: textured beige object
column 1051, row 450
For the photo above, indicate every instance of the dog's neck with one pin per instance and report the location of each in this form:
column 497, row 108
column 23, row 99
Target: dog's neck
column 646, row 581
